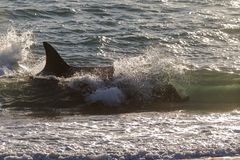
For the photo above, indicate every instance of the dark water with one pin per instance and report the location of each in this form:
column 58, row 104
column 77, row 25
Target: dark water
column 192, row 46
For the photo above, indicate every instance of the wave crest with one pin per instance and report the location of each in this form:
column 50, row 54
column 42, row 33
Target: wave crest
column 15, row 51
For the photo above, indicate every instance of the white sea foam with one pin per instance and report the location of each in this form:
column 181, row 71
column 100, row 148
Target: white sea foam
column 6, row 71
column 24, row 157
column 140, row 75
column 109, row 96
column 95, row 89
column 15, row 51
column 78, row 81
column 134, row 77
column 154, row 135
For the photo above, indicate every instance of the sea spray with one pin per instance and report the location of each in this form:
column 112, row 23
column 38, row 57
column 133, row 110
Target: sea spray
column 15, row 52
column 109, row 96
column 139, row 76
column 136, row 79
column 76, row 82
column 95, row 89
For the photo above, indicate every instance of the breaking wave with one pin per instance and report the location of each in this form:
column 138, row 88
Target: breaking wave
column 135, row 79
column 15, row 55
column 149, row 135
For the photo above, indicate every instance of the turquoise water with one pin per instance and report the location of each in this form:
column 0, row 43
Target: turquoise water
column 193, row 46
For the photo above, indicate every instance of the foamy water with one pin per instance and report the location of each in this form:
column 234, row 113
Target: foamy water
column 193, row 46
column 137, row 76
column 15, row 53
column 172, row 135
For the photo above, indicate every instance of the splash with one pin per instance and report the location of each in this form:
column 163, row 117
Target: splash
column 140, row 76
column 137, row 79
column 91, row 81
column 95, row 89
column 146, row 135
column 15, row 52
column 108, row 96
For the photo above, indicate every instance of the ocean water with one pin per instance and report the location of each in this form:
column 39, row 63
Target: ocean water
column 192, row 46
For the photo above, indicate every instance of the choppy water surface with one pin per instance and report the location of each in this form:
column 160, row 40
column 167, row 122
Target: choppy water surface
column 170, row 135
column 194, row 46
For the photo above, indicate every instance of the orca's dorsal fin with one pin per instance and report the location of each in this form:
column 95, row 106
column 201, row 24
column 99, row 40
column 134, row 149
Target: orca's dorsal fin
column 55, row 65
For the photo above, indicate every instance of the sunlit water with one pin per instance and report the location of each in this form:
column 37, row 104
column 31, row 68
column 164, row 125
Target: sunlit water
column 170, row 135
column 193, row 46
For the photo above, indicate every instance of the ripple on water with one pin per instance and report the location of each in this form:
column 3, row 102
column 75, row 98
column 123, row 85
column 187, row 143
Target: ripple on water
column 164, row 135
column 183, row 34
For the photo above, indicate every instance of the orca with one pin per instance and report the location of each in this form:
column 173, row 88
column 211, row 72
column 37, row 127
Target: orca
column 56, row 66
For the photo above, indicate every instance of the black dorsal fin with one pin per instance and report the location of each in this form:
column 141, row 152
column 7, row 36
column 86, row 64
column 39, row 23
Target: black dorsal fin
column 55, row 65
